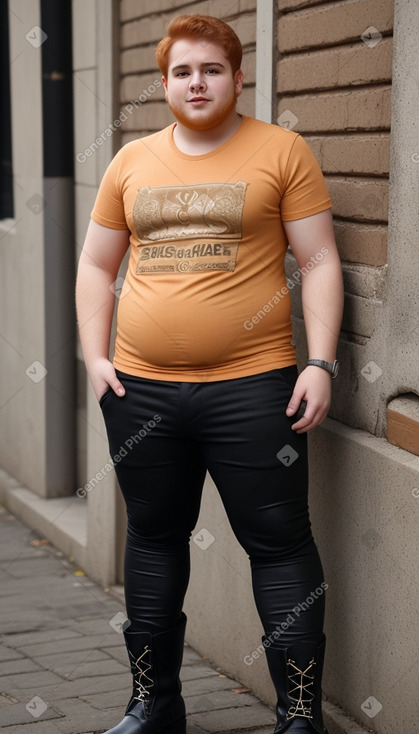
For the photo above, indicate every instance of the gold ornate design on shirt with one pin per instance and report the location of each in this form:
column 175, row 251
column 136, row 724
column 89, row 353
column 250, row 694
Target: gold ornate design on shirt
column 189, row 229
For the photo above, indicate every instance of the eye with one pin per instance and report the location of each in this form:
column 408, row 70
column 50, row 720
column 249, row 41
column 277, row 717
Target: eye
column 212, row 71
column 181, row 74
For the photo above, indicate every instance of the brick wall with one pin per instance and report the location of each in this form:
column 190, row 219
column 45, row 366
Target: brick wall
column 143, row 24
column 334, row 76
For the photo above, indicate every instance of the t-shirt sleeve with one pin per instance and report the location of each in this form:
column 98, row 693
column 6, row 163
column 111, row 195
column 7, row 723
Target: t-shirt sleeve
column 108, row 209
column 305, row 191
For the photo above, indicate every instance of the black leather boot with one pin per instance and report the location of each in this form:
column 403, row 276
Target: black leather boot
column 296, row 673
column 156, row 704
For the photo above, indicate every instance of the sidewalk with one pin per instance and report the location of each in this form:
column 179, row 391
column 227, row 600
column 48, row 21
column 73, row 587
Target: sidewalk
column 63, row 666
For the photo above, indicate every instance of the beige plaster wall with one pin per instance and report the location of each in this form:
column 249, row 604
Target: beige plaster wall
column 364, row 511
column 22, row 343
column 95, row 26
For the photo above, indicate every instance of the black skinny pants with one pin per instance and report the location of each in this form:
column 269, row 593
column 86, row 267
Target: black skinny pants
column 163, row 436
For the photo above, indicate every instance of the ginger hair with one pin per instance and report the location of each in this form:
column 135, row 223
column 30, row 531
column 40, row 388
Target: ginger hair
column 200, row 26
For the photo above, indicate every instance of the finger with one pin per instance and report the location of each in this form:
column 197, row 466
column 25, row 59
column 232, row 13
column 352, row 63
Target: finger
column 301, row 410
column 310, row 420
column 305, row 421
column 302, row 425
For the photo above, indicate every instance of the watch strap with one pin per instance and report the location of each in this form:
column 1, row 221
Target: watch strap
column 331, row 367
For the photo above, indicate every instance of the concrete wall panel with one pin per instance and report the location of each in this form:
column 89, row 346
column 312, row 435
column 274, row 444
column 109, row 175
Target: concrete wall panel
column 22, row 343
column 96, row 107
column 366, row 540
column 365, row 513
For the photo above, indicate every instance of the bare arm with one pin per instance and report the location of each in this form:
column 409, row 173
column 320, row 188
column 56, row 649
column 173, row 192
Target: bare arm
column 322, row 298
column 102, row 254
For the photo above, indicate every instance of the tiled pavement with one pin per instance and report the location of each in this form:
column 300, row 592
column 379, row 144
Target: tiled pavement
column 63, row 667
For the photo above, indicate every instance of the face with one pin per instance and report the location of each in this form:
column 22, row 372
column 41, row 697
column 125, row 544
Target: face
column 201, row 90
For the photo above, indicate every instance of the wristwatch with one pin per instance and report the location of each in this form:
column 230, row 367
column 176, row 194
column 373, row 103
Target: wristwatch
column 332, row 367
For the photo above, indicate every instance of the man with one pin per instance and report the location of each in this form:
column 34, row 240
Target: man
column 204, row 374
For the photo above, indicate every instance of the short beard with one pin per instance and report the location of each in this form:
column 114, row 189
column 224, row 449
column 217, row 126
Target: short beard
column 206, row 123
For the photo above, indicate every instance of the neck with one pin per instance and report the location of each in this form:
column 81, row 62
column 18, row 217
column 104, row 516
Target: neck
column 199, row 142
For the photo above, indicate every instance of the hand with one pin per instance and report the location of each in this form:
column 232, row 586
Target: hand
column 314, row 385
column 102, row 375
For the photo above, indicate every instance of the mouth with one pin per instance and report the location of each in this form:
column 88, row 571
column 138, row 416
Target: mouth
column 197, row 99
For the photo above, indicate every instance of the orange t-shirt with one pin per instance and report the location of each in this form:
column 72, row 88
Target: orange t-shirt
column 205, row 296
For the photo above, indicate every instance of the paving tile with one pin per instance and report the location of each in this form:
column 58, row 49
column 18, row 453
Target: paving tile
column 22, row 665
column 119, row 653
column 27, row 620
column 228, row 720
column 79, row 716
column 8, row 553
column 6, row 700
column 82, row 642
column 24, row 567
column 18, row 714
column 98, row 625
column 23, row 681
column 217, row 700
column 190, row 656
column 197, row 670
column 37, row 636
column 111, row 699
column 207, row 685
column 59, row 663
column 89, row 668
column 83, row 610
column 77, row 688
column 39, row 727
column 7, row 653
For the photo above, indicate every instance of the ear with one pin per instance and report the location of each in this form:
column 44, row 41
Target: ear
column 238, row 82
column 164, row 82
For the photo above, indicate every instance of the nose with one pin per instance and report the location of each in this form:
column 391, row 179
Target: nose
column 197, row 81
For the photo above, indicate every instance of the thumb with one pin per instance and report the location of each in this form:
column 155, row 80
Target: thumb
column 117, row 387
column 294, row 403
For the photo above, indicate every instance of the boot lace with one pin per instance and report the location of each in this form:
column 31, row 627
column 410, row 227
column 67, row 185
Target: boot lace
column 300, row 690
column 142, row 681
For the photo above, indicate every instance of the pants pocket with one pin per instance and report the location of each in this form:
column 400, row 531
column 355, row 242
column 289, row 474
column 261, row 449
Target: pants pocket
column 105, row 395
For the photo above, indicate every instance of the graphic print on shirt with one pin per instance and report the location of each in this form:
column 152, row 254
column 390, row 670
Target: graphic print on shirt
column 189, row 229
